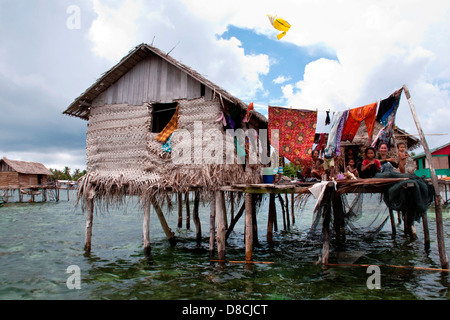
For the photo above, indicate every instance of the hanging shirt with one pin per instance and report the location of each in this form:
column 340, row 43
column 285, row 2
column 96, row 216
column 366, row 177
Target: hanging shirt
column 355, row 117
column 334, row 138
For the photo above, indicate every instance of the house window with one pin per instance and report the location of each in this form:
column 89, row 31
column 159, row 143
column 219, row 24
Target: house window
column 162, row 113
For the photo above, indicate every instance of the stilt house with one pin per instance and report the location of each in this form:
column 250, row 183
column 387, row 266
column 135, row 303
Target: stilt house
column 140, row 98
column 21, row 174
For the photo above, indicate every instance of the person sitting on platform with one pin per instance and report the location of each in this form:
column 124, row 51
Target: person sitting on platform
column 387, row 164
column 352, row 167
column 315, row 170
column 370, row 165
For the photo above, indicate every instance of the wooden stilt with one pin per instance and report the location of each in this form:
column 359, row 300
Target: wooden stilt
column 146, row 230
column 282, row 211
column 212, row 226
column 292, row 209
column 248, row 227
column 188, row 212
column 89, row 221
column 288, row 222
column 196, row 218
column 326, row 227
column 220, row 238
column 426, row 231
column 180, row 210
column 234, row 221
column 437, row 199
column 271, row 217
column 169, row 234
column 391, row 217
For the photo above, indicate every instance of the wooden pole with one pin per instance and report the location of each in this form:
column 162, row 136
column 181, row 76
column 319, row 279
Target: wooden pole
column 248, row 227
column 292, row 209
column 89, row 221
column 271, row 217
column 391, row 217
column 234, row 221
column 287, row 211
column 437, row 199
column 198, row 226
column 220, row 238
column 180, row 210
column 146, row 230
column 426, row 231
column 188, row 212
column 169, row 234
column 212, row 226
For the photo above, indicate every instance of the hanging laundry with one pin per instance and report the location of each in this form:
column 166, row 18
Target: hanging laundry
column 328, row 120
column 296, row 131
column 388, row 106
column 167, row 147
column 334, row 138
column 169, row 129
column 388, row 118
column 355, row 117
column 222, row 119
column 249, row 115
column 322, row 141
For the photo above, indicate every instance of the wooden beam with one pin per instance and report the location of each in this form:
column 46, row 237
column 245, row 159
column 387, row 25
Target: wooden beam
column 270, row 220
column 220, row 238
column 212, row 226
column 146, row 230
column 169, row 234
column 437, row 199
column 89, row 221
column 196, row 218
column 248, row 227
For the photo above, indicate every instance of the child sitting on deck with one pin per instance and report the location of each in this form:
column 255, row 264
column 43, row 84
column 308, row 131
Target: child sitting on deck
column 370, row 165
column 352, row 167
column 402, row 156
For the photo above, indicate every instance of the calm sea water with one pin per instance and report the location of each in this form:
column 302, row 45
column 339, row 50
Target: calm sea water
column 40, row 240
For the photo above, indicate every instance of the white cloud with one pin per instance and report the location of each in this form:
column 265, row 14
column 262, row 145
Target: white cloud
column 281, row 79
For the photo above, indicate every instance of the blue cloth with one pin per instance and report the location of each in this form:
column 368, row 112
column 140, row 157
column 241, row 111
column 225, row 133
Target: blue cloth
column 334, row 137
column 167, row 147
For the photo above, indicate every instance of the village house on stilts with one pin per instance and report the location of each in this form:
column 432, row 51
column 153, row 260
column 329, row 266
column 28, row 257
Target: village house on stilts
column 132, row 111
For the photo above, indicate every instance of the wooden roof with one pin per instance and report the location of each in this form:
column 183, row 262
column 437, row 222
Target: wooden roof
column 27, row 167
column 81, row 106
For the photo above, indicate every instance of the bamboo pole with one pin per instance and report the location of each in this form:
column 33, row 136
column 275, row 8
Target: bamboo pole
column 146, row 230
column 437, row 199
column 89, row 221
column 271, row 218
column 220, row 238
column 195, row 217
column 188, row 212
column 391, row 217
column 169, row 234
column 212, row 226
column 248, row 227
column 180, row 209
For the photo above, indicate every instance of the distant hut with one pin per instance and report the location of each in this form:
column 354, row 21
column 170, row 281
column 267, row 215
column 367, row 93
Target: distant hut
column 21, row 174
column 441, row 162
column 129, row 107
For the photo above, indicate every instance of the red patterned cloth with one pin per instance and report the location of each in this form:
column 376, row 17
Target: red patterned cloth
column 355, row 117
column 296, row 130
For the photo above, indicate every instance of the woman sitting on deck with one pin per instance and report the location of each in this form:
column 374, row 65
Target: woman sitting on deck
column 316, row 169
column 387, row 164
column 370, row 165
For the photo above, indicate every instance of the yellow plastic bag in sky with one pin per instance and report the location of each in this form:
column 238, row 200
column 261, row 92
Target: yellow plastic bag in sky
column 279, row 24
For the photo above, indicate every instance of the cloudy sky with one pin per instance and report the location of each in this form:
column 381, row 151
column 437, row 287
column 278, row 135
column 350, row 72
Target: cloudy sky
column 337, row 55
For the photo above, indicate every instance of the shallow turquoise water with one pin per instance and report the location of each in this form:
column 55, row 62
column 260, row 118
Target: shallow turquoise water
column 40, row 240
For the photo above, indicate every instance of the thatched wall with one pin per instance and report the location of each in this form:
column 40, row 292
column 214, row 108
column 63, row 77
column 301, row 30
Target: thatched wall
column 124, row 157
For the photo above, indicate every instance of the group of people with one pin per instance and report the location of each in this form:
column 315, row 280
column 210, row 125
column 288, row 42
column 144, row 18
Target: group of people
column 372, row 163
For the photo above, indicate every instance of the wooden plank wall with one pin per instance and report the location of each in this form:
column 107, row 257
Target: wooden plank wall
column 152, row 80
column 9, row 179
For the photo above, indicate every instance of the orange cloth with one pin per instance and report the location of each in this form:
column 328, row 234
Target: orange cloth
column 169, row 129
column 355, row 117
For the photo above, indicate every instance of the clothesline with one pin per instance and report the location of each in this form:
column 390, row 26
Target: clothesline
column 297, row 128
